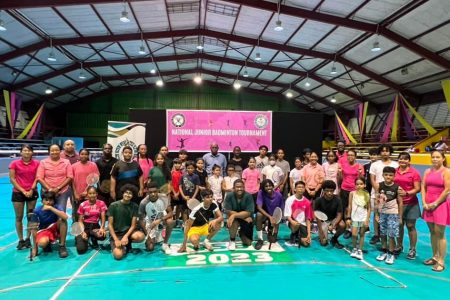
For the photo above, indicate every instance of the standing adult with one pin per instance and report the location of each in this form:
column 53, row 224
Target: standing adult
column 22, row 175
column 312, row 174
column 126, row 171
column 215, row 158
column 55, row 175
column 164, row 150
column 436, row 205
column 408, row 179
column 376, row 176
column 239, row 163
column 69, row 152
column 285, row 167
column 262, row 159
column 104, row 165
column 341, row 153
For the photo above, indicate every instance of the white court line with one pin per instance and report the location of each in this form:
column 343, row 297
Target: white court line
column 72, row 278
column 7, row 246
column 402, row 285
column 7, row 234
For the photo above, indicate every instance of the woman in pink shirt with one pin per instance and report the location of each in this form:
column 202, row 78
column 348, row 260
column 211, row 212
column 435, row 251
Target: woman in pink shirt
column 408, row 179
column 22, row 174
column 144, row 162
column 81, row 170
column 313, row 175
column 331, row 167
column 55, row 175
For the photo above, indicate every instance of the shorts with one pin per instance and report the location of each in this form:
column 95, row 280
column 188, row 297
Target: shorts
column 199, row 230
column 19, row 197
column 178, row 202
column 411, row 212
column 51, row 232
column 389, row 225
column 302, row 230
column 246, row 229
column 344, row 195
column 358, row 224
column 120, row 236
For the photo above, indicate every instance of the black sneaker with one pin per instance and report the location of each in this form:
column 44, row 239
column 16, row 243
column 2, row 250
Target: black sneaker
column 27, row 243
column 94, row 244
column 63, row 251
column 347, row 234
column 398, row 251
column 48, row 248
column 411, row 254
column 336, row 243
column 21, row 245
column 375, row 239
column 259, row 244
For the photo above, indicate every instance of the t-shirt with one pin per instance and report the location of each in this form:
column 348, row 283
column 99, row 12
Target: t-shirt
column 342, row 157
column 295, row 174
column 298, row 209
column 313, row 175
column 246, row 203
column 261, row 163
column 388, row 198
column 25, row 172
column 146, row 165
column 153, row 210
column 270, row 203
column 330, row 207
column 201, row 215
column 284, row 165
column 406, row 181
column 239, row 165
column 80, row 173
column 91, row 212
column 203, row 176
column 367, row 176
column 215, row 184
column 331, row 172
column 104, row 167
column 229, row 182
column 189, row 183
column 71, row 158
column 360, row 203
column 46, row 217
column 54, row 173
column 126, row 172
column 376, row 168
column 251, row 180
column 273, row 173
column 176, row 178
column 122, row 215
column 157, row 175
column 349, row 175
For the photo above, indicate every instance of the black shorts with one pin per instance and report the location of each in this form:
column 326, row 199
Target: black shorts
column 345, row 195
column 19, row 197
column 120, row 236
column 177, row 202
column 302, row 231
column 246, row 229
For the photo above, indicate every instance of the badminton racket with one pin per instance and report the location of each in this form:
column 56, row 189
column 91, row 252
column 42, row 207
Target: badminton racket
column 32, row 228
column 272, row 234
column 105, row 186
column 324, row 218
column 158, row 212
column 277, row 177
column 77, row 228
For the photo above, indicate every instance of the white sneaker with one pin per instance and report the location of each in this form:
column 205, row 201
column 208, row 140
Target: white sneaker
column 231, row 246
column 359, row 254
column 166, row 249
column 390, row 259
column 354, row 253
column 291, row 244
column 382, row 256
column 208, row 245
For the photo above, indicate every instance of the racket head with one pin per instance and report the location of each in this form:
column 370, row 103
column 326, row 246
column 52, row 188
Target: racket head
column 277, row 214
column 105, row 186
column 193, row 203
column 164, row 189
column 298, row 215
column 277, row 177
column 92, row 179
column 320, row 215
column 77, row 228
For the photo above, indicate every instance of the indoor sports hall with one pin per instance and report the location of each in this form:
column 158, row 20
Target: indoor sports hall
column 166, row 134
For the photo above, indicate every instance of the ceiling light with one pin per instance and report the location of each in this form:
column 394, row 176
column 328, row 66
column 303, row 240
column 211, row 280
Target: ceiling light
column 124, row 18
column 159, row 82
column 48, row 91
column 14, row 73
column 198, row 79
column 333, row 70
column 2, row 25
column 333, row 100
column 289, row 94
column 199, row 47
column 307, row 84
column 237, row 85
column 278, row 26
column 51, row 56
column 376, row 47
column 152, row 71
column 245, row 73
column 142, row 49
column 82, row 75
column 258, row 56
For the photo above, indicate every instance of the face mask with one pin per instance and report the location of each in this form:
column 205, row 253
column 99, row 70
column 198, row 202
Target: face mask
column 272, row 162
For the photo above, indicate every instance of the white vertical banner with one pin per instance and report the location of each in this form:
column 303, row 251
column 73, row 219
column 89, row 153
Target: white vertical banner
column 121, row 134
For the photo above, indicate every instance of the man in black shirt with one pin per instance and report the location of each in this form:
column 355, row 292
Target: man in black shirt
column 104, row 165
column 331, row 205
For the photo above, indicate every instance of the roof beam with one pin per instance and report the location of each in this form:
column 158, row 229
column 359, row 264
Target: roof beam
column 203, row 32
column 14, row 4
column 340, row 21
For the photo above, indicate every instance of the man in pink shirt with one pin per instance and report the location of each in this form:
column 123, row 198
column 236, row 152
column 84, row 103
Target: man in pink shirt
column 341, row 153
column 69, row 152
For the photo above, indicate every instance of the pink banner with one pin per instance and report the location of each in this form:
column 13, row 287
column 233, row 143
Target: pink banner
column 195, row 130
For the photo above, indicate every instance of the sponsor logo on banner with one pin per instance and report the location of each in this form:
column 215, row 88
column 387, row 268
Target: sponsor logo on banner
column 121, row 134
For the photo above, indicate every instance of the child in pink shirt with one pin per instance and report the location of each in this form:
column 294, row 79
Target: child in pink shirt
column 251, row 178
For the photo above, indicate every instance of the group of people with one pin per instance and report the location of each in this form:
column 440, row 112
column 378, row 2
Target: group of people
column 141, row 198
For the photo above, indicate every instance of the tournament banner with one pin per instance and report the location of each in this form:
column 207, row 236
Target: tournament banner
column 195, row 130
column 121, row 134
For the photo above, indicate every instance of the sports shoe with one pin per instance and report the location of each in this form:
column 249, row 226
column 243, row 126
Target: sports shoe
column 27, row 243
column 21, row 245
column 359, row 254
column 354, row 253
column 375, row 239
column 208, row 245
column 382, row 256
column 398, row 251
column 63, row 251
column 347, row 234
column 259, row 244
column 48, row 248
column 166, row 249
column 390, row 259
column 94, row 244
column 314, row 228
column 291, row 244
column 231, row 246
column 336, row 243
column 411, row 254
